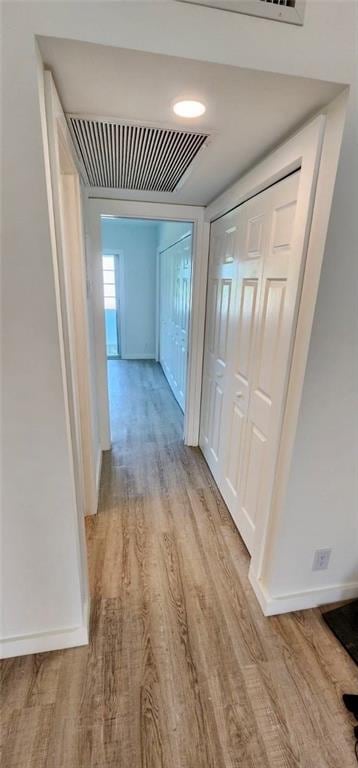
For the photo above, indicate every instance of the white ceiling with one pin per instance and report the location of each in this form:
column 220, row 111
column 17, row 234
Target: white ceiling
column 248, row 112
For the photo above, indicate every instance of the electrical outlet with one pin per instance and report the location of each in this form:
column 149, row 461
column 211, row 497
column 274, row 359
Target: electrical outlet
column 321, row 559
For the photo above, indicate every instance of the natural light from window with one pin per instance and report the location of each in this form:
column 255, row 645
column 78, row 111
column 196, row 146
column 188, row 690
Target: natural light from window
column 109, row 265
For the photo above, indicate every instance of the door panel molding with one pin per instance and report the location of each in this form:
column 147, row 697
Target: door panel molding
column 174, row 305
column 301, row 152
column 250, row 393
column 69, row 265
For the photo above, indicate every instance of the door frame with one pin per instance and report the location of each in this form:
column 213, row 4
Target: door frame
column 64, row 171
column 314, row 149
column 71, row 305
column 97, row 207
column 157, row 304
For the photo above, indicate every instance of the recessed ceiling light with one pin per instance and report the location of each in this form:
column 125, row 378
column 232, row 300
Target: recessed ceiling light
column 189, row 108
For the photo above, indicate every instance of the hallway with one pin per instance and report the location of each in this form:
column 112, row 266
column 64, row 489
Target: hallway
column 183, row 670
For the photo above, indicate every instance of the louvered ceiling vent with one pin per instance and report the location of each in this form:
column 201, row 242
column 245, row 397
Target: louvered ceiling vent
column 124, row 156
column 289, row 11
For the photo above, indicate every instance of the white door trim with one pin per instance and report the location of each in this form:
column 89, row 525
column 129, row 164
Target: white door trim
column 303, row 150
column 157, row 306
column 294, row 153
column 96, row 207
column 315, row 149
column 59, row 161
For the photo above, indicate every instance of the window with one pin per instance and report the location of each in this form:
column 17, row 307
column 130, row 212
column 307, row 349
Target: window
column 110, row 271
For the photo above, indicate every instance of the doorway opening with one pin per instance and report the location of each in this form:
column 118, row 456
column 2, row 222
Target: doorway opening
column 146, row 270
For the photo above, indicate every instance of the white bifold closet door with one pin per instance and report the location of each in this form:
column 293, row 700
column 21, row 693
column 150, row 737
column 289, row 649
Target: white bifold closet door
column 254, row 283
column 175, row 274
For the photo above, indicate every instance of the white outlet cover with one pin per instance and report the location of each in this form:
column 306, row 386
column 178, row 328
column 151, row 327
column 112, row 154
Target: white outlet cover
column 321, row 559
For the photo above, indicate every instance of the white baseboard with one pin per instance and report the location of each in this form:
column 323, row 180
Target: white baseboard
column 42, row 642
column 300, row 601
column 139, row 356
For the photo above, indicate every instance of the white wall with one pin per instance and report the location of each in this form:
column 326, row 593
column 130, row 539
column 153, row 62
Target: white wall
column 42, row 582
column 137, row 241
column 38, row 524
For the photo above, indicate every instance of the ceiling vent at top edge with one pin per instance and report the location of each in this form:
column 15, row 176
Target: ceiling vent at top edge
column 119, row 155
column 289, row 11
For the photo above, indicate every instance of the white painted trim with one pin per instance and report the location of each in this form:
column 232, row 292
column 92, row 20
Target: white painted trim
column 165, row 212
column 324, row 187
column 282, row 161
column 157, row 306
column 200, row 258
column 164, row 125
column 54, row 132
column 64, row 174
column 300, row 601
column 315, row 149
column 43, row 642
column 140, row 356
column 303, row 151
column 95, row 260
column 98, row 473
column 305, row 147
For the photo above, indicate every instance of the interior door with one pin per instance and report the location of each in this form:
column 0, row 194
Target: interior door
column 252, row 233
column 174, row 307
column 184, row 275
column 220, row 301
column 164, row 317
column 265, row 299
column 280, row 286
column 175, row 276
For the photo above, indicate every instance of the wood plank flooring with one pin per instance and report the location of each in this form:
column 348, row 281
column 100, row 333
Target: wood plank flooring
column 182, row 670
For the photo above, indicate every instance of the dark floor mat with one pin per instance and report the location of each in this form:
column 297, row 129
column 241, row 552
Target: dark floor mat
column 343, row 622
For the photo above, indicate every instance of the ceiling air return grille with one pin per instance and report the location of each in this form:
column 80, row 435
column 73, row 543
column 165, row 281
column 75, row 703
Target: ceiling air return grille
column 289, row 11
column 131, row 156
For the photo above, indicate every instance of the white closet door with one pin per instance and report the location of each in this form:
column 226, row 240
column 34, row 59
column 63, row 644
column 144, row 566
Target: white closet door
column 220, row 301
column 263, row 316
column 183, row 306
column 252, row 229
column 175, row 276
column 279, row 293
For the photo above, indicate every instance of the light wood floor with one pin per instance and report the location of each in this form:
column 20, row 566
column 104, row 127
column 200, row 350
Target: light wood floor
column 182, row 670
